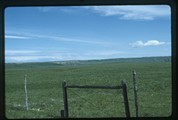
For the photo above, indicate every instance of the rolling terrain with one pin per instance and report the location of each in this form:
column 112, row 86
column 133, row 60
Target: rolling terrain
column 44, row 87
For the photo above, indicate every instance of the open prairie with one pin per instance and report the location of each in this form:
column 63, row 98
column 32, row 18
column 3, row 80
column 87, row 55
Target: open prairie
column 45, row 97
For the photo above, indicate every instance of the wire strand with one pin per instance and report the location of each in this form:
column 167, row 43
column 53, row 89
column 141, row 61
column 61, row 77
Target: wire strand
column 93, row 105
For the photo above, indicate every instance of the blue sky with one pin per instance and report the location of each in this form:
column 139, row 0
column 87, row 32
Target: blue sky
column 38, row 34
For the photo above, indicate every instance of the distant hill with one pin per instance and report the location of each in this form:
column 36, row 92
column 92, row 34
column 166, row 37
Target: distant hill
column 142, row 59
column 123, row 60
column 87, row 62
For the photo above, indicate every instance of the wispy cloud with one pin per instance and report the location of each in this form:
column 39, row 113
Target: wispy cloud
column 71, row 9
column 24, row 58
column 65, row 39
column 57, row 55
column 46, row 9
column 32, row 36
column 148, row 43
column 30, row 55
column 15, row 37
column 126, row 12
column 15, row 52
column 134, row 12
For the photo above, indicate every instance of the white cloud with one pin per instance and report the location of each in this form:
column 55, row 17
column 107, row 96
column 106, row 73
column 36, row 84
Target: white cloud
column 37, row 55
column 30, row 58
column 148, row 43
column 15, row 37
column 57, row 55
column 46, row 9
column 127, row 12
column 15, row 52
column 65, row 39
column 31, row 36
column 71, row 9
column 22, row 55
column 134, row 12
column 24, row 58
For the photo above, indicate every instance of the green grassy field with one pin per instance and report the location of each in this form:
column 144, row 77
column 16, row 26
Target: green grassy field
column 44, row 87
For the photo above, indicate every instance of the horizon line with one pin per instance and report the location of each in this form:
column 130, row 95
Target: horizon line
column 84, row 59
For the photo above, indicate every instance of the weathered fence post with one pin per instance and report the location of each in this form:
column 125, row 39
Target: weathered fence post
column 126, row 101
column 64, row 86
column 135, row 92
column 62, row 113
column 25, row 88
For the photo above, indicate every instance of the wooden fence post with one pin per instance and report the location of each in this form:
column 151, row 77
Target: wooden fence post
column 25, row 88
column 135, row 93
column 62, row 113
column 126, row 102
column 64, row 86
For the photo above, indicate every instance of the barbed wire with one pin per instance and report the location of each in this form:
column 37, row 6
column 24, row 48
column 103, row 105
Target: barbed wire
column 92, row 105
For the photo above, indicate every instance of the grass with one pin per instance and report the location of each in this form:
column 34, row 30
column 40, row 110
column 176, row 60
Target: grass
column 44, row 87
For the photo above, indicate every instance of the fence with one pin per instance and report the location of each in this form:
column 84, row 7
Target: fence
column 65, row 112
